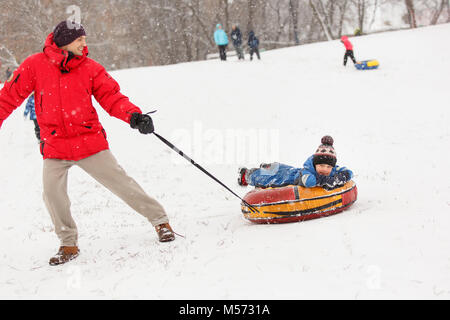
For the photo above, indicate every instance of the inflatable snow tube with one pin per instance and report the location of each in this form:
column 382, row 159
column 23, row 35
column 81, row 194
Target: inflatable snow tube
column 367, row 65
column 295, row 203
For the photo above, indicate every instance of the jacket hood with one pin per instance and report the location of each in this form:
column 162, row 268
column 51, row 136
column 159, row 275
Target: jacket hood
column 218, row 25
column 309, row 166
column 344, row 38
column 62, row 59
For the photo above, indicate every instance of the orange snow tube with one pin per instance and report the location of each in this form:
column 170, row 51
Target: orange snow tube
column 295, row 203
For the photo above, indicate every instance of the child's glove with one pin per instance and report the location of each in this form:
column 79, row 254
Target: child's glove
column 331, row 182
column 323, row 181
column 142, row 122
column 342, row 177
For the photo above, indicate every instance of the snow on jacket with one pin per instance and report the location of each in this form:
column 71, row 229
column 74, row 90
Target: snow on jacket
column 64, row 85
column 253, row 41
column 220, row 37
column 279, row 175
column 348, row 45
column 29, row 108
column 236, row 36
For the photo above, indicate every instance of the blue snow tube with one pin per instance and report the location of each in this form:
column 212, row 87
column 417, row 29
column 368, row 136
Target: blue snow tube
column 367, row 65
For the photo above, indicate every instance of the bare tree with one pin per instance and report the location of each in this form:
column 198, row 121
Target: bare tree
column 8, row 58
column 361, row 7
column 411, row 13
column 448, row 12
column 227, row 14
column 293, row 9
column 342, row 12
column 24, row 28
column 251, row 14
column 197, row 14
column 320, row 13
column 278, row 13
column 438, row 12
column 374, row 13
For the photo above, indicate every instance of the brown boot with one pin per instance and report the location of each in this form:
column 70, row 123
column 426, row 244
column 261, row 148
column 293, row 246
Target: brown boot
column 165, row 232
column 65, row 254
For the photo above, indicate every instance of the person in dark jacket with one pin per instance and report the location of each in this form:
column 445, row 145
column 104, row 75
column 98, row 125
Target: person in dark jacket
column 253, row 43
column 29, row 110
column 8, row 73
column 320, row 169
column 236, row 36
column 64, row 80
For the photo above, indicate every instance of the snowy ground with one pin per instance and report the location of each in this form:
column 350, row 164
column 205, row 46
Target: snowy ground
column 391, row 127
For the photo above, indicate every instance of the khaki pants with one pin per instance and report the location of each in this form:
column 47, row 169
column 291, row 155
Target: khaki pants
column 104, row 168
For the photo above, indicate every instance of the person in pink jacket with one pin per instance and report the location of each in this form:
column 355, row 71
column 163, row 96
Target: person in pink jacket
column 348, row 49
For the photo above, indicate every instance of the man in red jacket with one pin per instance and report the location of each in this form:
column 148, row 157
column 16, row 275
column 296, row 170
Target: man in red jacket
column 64, row 79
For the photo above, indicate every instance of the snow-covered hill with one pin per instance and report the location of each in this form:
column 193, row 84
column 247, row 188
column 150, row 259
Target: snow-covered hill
column 390, row 126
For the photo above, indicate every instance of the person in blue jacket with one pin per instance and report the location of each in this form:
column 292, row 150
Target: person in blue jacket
column 320, row 169
column 29, row 110
column 221, row 39
column 253, row 43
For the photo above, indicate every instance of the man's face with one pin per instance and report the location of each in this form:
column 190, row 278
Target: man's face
column 77, row 46
column 324, row 169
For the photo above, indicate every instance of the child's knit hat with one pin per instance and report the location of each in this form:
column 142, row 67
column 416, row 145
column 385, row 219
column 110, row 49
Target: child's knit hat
column 325, row 153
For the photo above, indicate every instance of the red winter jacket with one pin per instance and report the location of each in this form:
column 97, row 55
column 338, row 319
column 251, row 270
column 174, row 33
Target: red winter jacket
column 347, row 43
column 70, row 128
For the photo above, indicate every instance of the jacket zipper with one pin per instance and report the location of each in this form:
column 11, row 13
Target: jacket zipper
column 14, row 82
column 42, row 147
column 63, row 125
column 40, row 103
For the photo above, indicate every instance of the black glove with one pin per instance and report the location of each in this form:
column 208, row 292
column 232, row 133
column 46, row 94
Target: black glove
column 342, row 177
column 331, row 182
column 142, row 122
column 323, row 180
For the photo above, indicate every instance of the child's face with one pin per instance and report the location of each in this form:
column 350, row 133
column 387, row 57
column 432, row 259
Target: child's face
column 324, row 169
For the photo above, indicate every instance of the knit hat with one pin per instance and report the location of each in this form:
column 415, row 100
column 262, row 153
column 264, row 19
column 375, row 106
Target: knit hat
column 325, row 153
column 66, row 32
